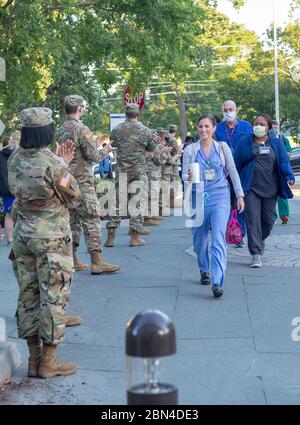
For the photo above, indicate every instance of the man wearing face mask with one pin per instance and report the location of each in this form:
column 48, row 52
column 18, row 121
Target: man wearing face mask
column 282, row 204
column 230, row 130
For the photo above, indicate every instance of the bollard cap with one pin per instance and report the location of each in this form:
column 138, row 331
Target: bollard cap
column 150, row 334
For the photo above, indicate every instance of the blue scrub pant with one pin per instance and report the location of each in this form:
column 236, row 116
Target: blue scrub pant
column 216, row 216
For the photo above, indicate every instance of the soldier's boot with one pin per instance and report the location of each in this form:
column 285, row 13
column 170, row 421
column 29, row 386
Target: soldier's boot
column 151, row 222
column 142, row 231
column 99, row 266
column 50, row 367
column 35, row 354
column 135, row 239
column 110, row 241
column 156, row 218
column 77, row 265
column 73, row 321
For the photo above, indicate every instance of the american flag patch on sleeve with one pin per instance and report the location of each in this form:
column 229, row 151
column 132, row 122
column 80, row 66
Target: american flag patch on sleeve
column 65, row 179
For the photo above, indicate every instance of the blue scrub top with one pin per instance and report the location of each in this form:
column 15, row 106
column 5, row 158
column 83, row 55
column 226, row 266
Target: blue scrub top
column 232, row 136
column 213, row 162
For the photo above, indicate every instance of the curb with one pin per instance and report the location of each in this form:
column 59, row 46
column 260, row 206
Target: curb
column 10, row 360
column 10, row 357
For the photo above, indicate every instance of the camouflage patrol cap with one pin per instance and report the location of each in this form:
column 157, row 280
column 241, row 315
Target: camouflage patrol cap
column 36, row 117
column 173, row 127
column 74, row 100
column 132, row 107
column 162, row 132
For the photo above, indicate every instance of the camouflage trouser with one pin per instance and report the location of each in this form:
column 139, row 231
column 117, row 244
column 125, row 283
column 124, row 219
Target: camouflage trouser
column 103, row 188
column 154, row 200
column 175, row 172
column 44, row 271
column 169, row 185
column 136, row 221
column 87, row 217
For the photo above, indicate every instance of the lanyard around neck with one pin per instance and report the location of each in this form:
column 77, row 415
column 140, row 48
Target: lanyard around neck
column 230, row 135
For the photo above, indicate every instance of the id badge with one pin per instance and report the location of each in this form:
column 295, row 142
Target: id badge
column 209, row 174
column 264, row 150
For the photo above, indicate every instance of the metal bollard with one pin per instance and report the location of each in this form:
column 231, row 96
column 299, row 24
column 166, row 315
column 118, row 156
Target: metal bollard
column 150, row 340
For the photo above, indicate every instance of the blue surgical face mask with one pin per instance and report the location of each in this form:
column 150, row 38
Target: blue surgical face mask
column 273, row 134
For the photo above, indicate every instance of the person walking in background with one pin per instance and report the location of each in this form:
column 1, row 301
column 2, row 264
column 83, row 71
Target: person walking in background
column 230, row 130
column 265, row 171
column 215, row 161
column 7, row 197
column 105, row 166
column 282, row 204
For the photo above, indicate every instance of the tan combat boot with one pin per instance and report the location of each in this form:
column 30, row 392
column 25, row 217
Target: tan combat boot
column 77, row 265
column 142, row 231
column 73, row 321
column 49, row 367
column 98, row 265
column 151, row 222
column 35, row 353
column 135, row 240
column 111, row 234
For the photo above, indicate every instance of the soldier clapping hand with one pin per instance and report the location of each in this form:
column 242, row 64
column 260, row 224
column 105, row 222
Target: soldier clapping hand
column 65, row 150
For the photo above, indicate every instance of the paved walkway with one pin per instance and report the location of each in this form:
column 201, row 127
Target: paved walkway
column 236, row 350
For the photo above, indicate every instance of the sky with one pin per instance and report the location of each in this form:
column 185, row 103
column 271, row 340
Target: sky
column 257, row 15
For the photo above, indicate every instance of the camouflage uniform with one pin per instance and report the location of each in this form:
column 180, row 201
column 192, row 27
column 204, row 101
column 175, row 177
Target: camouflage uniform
column 87, row 215
column 155, row 160
column 172, row 142
column 132, row 140
column 169, row 177
column 42, row 250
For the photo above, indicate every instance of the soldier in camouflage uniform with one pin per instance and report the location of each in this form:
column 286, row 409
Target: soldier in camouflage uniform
column 155, row 161
column 177, row 162
column 169, row 178
column 132, row 140
column 87, row 215
column 44, row 189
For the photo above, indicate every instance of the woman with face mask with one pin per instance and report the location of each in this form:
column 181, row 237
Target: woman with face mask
column 265, row 172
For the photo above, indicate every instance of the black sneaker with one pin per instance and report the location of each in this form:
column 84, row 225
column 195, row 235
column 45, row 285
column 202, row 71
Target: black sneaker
column 217, row 291
column 205, row 278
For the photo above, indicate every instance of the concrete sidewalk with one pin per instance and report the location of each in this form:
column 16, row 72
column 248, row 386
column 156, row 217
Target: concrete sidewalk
column 236, row 350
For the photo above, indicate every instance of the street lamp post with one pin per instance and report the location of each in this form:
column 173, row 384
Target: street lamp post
column 276, row 64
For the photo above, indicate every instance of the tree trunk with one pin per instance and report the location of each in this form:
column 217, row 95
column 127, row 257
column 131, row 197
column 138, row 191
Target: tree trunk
column 182, row 117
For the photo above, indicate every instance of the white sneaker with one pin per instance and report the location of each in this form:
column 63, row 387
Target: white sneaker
column 255, row 261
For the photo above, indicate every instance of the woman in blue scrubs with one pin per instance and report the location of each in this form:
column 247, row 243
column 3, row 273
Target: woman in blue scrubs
column 215, row 163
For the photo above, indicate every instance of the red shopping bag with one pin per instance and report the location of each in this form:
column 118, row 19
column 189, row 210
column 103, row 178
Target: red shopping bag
column 234, row 235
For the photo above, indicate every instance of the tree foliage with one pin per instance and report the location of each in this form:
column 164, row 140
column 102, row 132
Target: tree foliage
column 188, row 55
